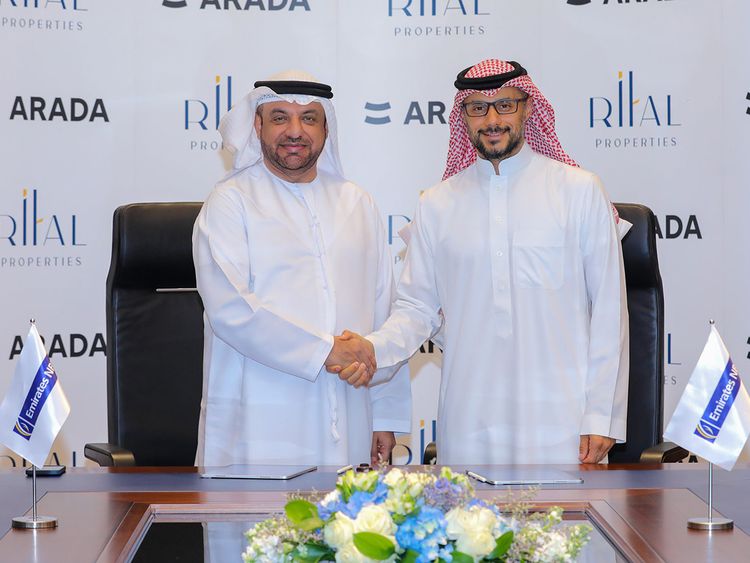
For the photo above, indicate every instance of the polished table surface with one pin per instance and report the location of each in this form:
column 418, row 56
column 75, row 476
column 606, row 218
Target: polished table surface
column 731, row 494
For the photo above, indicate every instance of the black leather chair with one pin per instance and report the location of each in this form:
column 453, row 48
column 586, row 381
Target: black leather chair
column 646, row 311
column 154, row 339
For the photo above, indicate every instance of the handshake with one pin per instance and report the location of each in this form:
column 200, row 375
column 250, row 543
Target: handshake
column 352, row 358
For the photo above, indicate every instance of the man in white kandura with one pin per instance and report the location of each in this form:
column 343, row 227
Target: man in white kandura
column 287, row 254
column 520, row 250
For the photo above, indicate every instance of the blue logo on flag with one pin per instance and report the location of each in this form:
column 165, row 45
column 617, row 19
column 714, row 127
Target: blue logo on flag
column 41, row 387
column 720, row 404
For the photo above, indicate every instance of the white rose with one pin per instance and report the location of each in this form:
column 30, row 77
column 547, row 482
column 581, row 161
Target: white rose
column 472, row 530
column 375, row 518
column 338, row 532
column 350, row 554
column 393, row 477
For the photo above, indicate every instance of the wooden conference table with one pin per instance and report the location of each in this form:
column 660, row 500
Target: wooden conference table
column 104, row 513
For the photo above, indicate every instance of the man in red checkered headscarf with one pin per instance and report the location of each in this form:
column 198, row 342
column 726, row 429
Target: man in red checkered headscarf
column 487, row 78
column 519, row 249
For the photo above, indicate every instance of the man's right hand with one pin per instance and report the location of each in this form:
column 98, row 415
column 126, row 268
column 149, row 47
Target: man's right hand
column 353, row 358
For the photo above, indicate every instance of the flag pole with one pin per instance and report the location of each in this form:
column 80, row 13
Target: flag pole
column 710, row 523
column 36, row 522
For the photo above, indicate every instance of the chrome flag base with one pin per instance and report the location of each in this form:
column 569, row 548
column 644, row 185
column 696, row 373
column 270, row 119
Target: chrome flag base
column 37, row 523
column 713, row 524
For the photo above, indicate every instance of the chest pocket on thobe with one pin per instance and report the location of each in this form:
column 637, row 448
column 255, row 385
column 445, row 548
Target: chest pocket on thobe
column 538, row 258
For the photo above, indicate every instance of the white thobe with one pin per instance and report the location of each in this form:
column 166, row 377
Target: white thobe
column 282, row 267
column 527, row 269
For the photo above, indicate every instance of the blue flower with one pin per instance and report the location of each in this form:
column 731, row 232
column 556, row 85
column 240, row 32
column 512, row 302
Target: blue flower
column 357, row 501
column 423, row 533
column 444, row 494
column 446, row 553
column 483, row 504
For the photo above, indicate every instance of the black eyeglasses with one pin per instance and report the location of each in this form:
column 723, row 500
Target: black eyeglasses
column 503, row 106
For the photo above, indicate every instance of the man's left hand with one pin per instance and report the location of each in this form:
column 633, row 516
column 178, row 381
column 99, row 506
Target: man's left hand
column 355, row 374
column 593, row 448
column 382, row 446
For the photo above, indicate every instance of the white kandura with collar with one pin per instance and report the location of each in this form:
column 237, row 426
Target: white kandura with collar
column 282, row 267
column 527, row 269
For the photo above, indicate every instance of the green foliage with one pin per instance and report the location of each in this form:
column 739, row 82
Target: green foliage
column 459, row 557
column 303, row 514
column 312, row 553
column 374, row 545
column 502, row 545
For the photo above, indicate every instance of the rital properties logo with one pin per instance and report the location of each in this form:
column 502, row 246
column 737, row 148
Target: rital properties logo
column 33, row 236
column 442, row 19
column 630, row 116
column 202, row 114
column 43, row 16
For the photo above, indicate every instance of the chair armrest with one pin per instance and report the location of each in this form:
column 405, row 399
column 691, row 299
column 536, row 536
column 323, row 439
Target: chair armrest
column 666, row 452
column 109, row 455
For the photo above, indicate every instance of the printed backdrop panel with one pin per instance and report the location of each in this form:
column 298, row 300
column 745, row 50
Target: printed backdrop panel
column 109, row 103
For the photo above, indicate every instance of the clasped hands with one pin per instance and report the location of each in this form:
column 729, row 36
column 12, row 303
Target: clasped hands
column 352, row 358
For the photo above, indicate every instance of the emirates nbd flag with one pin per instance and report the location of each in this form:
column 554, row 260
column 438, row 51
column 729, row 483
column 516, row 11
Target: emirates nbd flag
column 35, row 407
column 712, row 418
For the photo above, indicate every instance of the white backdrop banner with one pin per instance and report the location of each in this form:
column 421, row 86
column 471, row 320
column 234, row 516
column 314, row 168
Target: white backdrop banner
column 105, row 103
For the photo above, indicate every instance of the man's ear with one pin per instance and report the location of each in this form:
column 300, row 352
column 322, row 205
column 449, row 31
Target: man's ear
column 528, row 109
column 258, row 122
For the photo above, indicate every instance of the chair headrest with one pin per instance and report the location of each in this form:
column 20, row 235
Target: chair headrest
column 639, row 246
column 152, row 245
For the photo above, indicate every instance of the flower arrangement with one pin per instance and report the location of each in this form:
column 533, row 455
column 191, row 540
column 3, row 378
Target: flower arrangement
column 410, row 518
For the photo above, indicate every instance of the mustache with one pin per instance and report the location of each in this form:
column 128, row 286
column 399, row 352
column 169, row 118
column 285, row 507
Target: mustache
column 495, row 129
column 294, row 141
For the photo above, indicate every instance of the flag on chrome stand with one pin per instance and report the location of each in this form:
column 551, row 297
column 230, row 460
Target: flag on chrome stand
column 712, row 419
column 35, row 407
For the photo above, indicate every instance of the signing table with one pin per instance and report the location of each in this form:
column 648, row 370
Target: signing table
column 104, row 514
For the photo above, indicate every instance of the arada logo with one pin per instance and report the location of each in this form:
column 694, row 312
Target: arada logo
column 70, row 109
column 244, row 5
column 379, row 118
column 605, row 2
column 423, row 113
column 72, row 345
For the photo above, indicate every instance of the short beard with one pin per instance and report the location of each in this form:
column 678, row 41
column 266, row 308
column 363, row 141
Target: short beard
column 514, row 141
column 272, row 156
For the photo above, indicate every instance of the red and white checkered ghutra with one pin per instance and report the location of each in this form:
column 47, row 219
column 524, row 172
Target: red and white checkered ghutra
column 540, row 127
